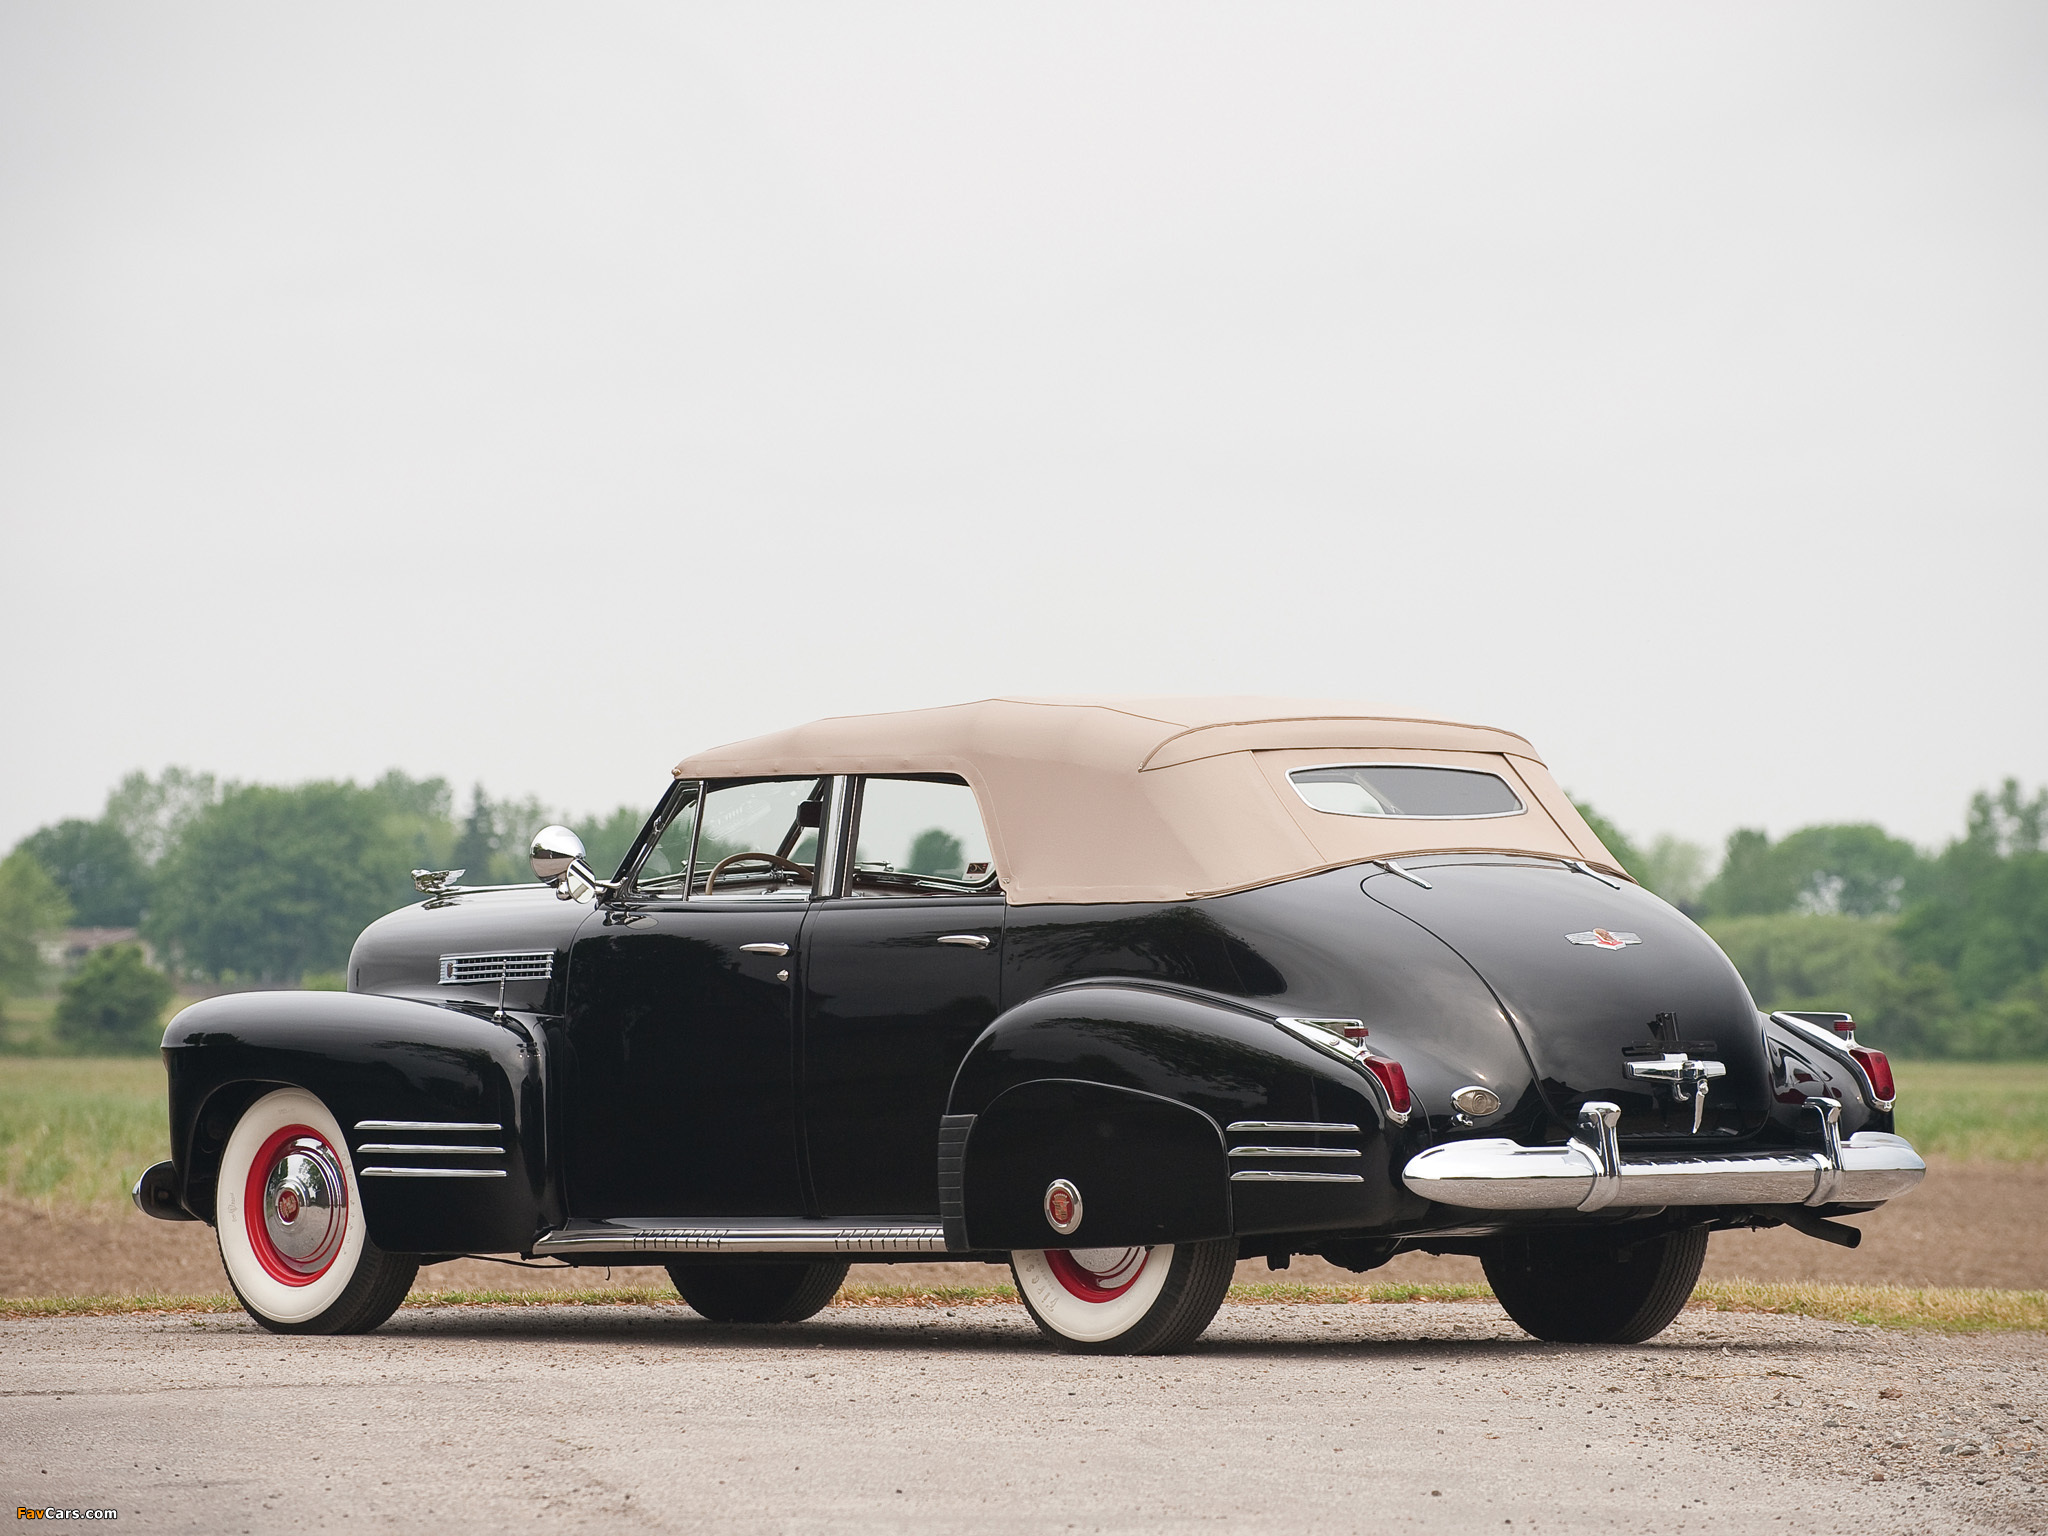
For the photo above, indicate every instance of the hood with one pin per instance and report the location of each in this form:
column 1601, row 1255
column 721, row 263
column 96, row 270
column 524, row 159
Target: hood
column 1593, row 978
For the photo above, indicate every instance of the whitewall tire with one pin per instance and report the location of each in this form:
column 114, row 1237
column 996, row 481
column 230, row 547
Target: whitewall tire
column 1124, row 1300
column 289, row 1218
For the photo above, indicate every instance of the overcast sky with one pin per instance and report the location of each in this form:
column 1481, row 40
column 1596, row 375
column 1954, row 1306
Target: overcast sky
column 531, row 394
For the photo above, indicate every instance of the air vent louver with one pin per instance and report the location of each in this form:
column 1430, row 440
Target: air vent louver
column 489, row 970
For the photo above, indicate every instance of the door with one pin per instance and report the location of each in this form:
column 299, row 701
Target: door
column 901, row 974
column 680, row 1080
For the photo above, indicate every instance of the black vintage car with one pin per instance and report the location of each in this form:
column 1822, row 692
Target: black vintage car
column 1119, row 991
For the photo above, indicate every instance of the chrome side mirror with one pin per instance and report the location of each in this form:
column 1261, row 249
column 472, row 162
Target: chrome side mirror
column 556, row 851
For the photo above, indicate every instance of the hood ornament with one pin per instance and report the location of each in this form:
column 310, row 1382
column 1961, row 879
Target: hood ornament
column 1603, row 938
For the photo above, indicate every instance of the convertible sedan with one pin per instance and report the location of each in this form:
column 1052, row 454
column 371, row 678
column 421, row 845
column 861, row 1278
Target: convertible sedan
column 1117, row 991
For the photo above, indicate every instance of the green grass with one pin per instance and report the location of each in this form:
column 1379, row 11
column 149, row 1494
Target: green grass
column 76, row 1130
column 1992, row 1111
column 1946, row 1310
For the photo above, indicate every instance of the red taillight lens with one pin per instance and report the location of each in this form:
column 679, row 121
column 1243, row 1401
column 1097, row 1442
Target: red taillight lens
column 1395, row 1081
column 1877, row 1068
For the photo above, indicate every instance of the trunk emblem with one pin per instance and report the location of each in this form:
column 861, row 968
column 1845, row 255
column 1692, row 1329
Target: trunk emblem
column 1602, row 938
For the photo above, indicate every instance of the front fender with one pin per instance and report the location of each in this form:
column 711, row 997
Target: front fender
column 370, row 1058
column 1079, row 1070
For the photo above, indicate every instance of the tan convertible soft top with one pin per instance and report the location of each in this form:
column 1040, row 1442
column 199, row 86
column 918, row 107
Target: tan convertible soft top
column 1165, row 799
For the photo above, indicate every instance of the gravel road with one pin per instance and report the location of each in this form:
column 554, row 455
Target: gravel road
column 1285, row 1418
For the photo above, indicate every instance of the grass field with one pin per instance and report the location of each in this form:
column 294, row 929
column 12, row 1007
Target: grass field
column 75, row 1130
column 1884, row 1306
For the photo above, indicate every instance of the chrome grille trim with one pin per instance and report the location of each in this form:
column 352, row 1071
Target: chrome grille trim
column 1304, row 1127
column 1277, row 1176
column 430, row 1173
column 1295, row 1152
column 428, row 1125
column 797, row 1235
column 416, row 1149
column 506, row 965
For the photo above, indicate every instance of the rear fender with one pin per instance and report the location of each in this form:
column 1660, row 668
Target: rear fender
column 1140, row 1085
column 368, row 1059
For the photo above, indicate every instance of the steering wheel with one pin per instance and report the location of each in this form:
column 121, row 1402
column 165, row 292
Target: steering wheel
column 773, row 860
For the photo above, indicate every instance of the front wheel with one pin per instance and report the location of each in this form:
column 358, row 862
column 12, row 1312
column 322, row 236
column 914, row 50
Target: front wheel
column 1125, row 1301
column 289, row 1219
column 1602, row 1289
column 773, row 1292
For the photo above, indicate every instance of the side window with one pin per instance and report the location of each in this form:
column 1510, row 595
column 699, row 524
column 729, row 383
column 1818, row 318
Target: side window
column 920, row 836
column 758, row 837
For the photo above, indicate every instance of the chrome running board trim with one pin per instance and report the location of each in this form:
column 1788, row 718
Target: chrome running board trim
column 430, row 1173
column 661, row 1234
column 416, row 1149
column 1588, row 1172
column 1269, row 1176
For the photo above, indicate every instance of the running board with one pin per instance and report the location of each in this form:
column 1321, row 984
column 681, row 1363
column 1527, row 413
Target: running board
column 681, row 1234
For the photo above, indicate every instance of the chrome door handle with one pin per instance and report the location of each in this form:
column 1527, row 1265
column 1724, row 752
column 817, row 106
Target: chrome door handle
column 764, row 949
column 965, row 940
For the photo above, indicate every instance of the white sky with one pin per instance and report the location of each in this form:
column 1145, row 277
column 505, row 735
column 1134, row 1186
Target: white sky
column 534, row 393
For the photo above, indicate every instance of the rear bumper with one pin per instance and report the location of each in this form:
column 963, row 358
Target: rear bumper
column 1588, row 1172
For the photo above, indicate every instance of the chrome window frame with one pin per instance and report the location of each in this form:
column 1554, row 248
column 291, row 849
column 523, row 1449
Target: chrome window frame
column 1521, row 806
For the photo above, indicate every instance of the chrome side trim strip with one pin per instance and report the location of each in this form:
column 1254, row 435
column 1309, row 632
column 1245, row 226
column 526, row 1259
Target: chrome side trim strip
column 766, row 1235
column 1306, row 1127
column 1295, row 1152
column 1269, row 1176
column 430, row 1173
column 428, row 1125
column 407, row 1149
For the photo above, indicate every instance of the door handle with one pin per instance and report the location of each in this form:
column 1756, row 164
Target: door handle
column 764, row 949
column 965, row 940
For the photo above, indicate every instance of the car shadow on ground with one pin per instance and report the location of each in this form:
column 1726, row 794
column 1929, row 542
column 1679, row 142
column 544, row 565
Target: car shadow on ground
column 1005, row 1335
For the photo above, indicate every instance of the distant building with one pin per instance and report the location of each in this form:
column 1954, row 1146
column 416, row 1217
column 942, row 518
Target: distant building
column 74, row 944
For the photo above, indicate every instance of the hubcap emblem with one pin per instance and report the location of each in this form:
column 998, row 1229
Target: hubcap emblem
column 287, row 1204
column 1062, row 1207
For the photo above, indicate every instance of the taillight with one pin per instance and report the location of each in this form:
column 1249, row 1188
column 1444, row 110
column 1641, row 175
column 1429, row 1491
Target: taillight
column 1878, row 1069
column 1395, row 1081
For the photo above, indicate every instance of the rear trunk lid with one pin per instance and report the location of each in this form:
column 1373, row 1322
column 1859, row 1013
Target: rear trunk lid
column 1594, row 979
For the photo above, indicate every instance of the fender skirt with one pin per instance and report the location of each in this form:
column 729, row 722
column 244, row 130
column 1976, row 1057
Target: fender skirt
column 1149, row 1170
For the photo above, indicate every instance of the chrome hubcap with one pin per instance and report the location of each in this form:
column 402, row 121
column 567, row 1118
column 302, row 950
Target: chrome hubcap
column 305, row 1205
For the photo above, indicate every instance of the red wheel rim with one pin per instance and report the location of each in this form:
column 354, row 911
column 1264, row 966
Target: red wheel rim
column 295, row 1205
column 1098, row 1282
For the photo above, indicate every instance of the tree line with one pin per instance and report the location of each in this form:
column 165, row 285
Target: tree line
column 254, row 884
column 1937, row 953
column 1941, row 953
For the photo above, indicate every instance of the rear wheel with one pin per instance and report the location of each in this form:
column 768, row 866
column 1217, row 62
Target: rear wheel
column 1576, row 1289
column 289, row 1219
column 772, row 1292
column 1125, row 1301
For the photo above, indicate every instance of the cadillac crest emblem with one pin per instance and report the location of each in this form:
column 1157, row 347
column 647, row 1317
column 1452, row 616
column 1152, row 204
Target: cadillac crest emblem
column 1602, row 938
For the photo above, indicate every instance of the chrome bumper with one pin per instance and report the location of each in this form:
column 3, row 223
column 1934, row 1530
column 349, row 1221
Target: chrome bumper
column 1588, row 1172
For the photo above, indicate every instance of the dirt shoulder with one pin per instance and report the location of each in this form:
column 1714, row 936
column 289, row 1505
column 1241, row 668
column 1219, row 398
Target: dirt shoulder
column 1969, row 1224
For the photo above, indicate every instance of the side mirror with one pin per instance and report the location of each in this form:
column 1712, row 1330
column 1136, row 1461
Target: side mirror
column 556, row 851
